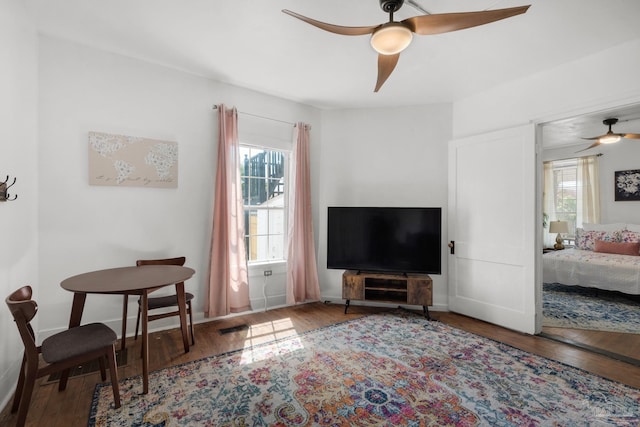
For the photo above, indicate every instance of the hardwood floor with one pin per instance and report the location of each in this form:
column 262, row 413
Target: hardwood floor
column 71, row 407
column 624, row 346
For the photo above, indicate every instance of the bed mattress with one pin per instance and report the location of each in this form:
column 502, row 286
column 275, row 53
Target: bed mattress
column 576, row 267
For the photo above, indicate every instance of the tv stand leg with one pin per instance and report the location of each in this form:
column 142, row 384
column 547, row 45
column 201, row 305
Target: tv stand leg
column 346, row 306
column 425, row 310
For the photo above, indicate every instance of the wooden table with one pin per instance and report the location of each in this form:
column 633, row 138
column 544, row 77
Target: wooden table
column 141, row 281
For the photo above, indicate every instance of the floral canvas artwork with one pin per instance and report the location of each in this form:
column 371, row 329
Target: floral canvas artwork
column 130, row 161
column 627, row 185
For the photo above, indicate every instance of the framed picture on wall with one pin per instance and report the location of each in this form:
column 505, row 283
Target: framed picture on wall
column 627, row 185
column 131, row 161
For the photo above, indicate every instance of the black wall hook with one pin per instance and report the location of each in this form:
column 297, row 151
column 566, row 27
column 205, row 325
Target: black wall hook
column 4, row 196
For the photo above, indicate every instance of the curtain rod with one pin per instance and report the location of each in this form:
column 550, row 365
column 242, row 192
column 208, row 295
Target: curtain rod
column 576, row 157
column 215, row 107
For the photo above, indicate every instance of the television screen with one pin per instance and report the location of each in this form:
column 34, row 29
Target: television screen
column 384, row 239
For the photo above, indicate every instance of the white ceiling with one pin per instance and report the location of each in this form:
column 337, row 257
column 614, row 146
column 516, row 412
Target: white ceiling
column 254, row 45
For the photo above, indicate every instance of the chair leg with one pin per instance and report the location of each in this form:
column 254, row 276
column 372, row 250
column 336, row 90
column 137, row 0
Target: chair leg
column 19, row 387
column 27, row 391
column 193, row 338
column 62, row 383
column 113, row 370
column 103, row 371
column 137, row 324
column 125, row 306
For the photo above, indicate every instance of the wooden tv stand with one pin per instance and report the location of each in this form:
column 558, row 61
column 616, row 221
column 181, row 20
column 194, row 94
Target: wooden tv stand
column 411, row 289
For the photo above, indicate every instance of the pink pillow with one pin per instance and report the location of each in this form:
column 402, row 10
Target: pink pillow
column 622, row 248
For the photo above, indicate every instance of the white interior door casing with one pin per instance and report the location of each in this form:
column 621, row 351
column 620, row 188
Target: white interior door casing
column 492, row 202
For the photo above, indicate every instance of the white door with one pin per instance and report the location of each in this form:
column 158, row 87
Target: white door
column 491, row 220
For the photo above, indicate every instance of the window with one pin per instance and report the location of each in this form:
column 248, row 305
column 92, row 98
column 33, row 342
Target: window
column 571, row 193
column 263, row 175
column 565, row 192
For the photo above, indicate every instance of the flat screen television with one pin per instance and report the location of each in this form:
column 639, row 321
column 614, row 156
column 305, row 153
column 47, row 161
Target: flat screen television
column 385, row 239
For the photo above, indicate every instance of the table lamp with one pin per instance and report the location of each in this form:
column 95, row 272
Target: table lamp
column 558, row 227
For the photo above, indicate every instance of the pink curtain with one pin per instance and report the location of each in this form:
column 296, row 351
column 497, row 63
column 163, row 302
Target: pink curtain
column 302, row 272
column 228, row 278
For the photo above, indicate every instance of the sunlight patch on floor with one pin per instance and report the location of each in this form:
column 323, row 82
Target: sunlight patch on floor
column 263, row 341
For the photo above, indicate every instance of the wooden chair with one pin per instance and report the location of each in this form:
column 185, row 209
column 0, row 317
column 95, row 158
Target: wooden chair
column 162, row 302
column 61, row 351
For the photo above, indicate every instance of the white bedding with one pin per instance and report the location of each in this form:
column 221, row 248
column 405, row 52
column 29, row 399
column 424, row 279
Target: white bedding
column 590, row 269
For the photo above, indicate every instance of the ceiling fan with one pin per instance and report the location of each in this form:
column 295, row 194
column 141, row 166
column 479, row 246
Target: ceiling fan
column 610, row 137
column 393, row 37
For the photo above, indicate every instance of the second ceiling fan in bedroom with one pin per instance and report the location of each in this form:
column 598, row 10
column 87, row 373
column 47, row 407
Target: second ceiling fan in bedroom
column 391, row 38
column 610, row 137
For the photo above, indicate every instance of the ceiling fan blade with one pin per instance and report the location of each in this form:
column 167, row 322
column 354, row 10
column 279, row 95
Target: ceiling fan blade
column 386, row 65
column 446, row 22
column 337, row 29
column 611, row 134
column 595, row 144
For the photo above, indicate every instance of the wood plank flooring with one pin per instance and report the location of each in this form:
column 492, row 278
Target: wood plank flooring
column 71, row 407
column 624, row 346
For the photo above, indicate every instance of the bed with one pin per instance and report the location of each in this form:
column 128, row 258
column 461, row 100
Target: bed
column 605, row 257
column 611, row 272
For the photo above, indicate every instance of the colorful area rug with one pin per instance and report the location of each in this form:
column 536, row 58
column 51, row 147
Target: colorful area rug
column 582, row 308
column 381, row 370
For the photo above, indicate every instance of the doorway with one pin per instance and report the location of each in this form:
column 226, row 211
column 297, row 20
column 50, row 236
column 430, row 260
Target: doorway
column 563, row 139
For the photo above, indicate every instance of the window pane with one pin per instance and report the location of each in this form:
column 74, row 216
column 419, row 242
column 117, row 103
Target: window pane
column 276, row 221
column 262, row 221
column 276, row 188
column 257, row 244
column 248, row 246
column 250, row 219
column 565, row 176
column 255, row 164
column 258, row 193
column 276, row 246
column 267, row 247
column 263, row 192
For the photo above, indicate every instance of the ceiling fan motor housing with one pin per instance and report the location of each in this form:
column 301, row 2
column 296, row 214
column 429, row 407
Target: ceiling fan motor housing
column 391, row 6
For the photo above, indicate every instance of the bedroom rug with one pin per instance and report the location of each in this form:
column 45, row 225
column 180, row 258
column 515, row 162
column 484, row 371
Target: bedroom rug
column 579, row 308
column 393, row 369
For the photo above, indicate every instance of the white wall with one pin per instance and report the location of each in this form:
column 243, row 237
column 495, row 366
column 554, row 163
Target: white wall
column 624, row 155
column 619, row 157
column 582, row 86
column 18, row 140
column 84, row 228
column 383, row 157
column 588, row 84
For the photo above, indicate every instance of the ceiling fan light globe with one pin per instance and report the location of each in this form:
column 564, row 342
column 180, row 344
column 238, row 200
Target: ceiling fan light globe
column 391, row 38
column 609, row 139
